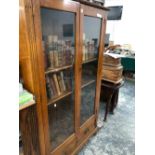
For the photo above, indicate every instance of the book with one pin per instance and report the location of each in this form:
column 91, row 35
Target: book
column 56, row 62
column 67, row 80
column 25, row 97
column 48, row 88
column 45, row 55
column 56, row 84
column 88, row 49
column 60, row 83
column 51, row 59
column 60, row 58
column 68, row 52
column 84, row 51
column 53, row 86
column 62, row 80
column 49, row 39
column 59, row 52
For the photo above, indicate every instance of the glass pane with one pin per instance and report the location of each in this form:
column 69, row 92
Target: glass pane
column 58, row 28
column 61, row 120
column 91, row 37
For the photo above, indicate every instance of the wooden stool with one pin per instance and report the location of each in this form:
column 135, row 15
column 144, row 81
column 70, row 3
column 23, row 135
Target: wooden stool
column 112, row 91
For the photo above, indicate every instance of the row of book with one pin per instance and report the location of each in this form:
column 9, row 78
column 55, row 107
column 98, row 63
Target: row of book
column 58, row 83
column 58, row 53
column 89, row 50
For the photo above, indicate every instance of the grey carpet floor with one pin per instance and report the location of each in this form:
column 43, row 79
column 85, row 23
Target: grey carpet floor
column 117, row 136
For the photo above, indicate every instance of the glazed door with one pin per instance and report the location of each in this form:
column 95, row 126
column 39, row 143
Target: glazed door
column 58, row 39
column 91, row 30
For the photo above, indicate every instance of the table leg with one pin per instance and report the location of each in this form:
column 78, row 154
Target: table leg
column 117, row 98
column 114, row 101
column 107, row 106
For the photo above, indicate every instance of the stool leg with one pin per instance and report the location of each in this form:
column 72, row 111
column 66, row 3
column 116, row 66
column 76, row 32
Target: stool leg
column 107, row 107
column 117, row 98
column 114, row 101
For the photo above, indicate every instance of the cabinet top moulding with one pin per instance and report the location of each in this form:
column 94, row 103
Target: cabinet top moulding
column 92, row 4
column 72, row 6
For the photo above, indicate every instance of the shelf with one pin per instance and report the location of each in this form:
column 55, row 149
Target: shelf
column 55, row 99
column 89, row 60
column 88, row 83
column 51, row 70
column 26, row 105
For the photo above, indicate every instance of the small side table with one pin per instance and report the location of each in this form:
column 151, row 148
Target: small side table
column 112, row 91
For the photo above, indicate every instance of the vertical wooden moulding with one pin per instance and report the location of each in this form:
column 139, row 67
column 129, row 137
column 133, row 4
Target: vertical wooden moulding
column 93, row 12
column 38, row 62
column 80, row 54
column 99, row 72
column 77, row 74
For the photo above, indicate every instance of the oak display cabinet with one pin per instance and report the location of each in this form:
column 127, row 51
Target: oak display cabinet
column 65, row 40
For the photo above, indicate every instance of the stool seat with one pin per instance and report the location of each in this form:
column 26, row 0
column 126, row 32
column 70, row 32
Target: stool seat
column 113, row 93
column 112, row 85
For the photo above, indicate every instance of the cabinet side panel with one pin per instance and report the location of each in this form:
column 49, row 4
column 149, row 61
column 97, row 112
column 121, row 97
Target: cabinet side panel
column 29, row 64
column 29, row 132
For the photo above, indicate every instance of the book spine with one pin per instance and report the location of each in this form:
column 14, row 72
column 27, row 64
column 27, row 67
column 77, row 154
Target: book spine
column 93, row 49
column 84, row 52
column 67, row 81
column 84, row 47
column 48, row 87
column 89, row 50
column 51, row 58
column 68, row 52
column 45, row 56
column 56, row 84
column 56, row 63
column 61, row 53
column 53, row 86
column 60, row 83
column 62, row 80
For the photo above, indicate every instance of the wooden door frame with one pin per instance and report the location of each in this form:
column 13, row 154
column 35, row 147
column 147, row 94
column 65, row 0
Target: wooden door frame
column 63, row 6
column 99, row 13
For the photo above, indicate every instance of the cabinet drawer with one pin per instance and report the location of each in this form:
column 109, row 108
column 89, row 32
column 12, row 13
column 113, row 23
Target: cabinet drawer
column 87, row 128
column 67, row 147
column 70, row 147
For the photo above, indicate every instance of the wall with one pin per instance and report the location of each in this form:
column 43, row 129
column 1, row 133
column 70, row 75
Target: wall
column 122, row 31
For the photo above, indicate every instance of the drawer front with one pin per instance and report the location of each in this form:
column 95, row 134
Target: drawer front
column 67, row 147
column 87, row 128
column 73, row 143
column 70, row 148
